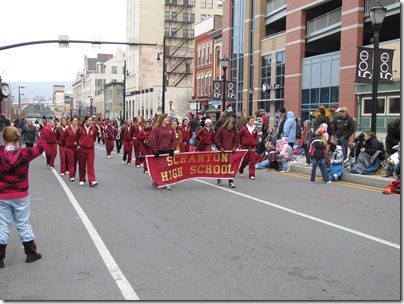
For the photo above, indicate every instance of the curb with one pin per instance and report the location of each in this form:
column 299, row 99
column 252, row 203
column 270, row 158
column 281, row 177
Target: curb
column 368, row 180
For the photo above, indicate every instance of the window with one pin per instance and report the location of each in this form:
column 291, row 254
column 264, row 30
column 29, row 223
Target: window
column 185, row 17
column 174, row 16
column 280, row 74
column 266, row 76
column 199, row 56
column 167, row 15
column 203, row 16
column 174, row 32
column 210, row 53
column 114, row 70
column 192, row 18
column 394, row 105
column 210, row 3
column 166, row 32
column 191, row 33
column 218, row 56
column 367, row 106
column 220, row 3
column 185, row 33
column 203, row 3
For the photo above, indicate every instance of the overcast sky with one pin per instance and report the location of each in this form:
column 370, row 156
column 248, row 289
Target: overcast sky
column 32, row 20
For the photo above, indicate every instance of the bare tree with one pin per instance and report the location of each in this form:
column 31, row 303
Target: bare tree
column 181, row 105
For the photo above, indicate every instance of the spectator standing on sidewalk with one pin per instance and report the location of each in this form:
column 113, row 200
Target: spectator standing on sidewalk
column 281, row 122
column 318, row 150
column 289, row 128
column 14, row 195
column 86, row 136
column 343, row 127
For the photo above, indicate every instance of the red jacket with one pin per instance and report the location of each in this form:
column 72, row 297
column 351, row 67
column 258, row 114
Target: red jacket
column 14, row 167
column 186, row 132
column 53, row 134
column 205, row 137
column 110, row 132
column 144, row 134
column 162, row 139
column 227, row 139
column 125, row 134
column 248, row 140
column 59, row 134
column 134, row 130
column 86, row 140
column 68, row 138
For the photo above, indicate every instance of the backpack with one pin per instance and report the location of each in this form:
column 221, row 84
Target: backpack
column 318, row 149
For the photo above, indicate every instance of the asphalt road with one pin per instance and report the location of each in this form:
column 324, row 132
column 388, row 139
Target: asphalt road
column 276, row 238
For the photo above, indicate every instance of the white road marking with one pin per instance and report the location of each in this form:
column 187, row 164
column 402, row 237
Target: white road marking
column 368, row 236
column 113, row 268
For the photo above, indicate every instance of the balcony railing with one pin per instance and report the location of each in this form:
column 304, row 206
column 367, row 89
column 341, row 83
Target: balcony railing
column 324, row 21
column 273, row 5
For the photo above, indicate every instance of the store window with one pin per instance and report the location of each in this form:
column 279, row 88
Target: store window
column 394, row 105
column 367, row 106
column 280, row 74
column 266, row 76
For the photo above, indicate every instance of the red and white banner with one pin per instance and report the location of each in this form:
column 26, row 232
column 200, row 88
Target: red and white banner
column 165, row 170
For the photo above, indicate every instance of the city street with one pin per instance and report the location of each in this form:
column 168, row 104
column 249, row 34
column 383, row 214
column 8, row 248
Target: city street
column 275, row 238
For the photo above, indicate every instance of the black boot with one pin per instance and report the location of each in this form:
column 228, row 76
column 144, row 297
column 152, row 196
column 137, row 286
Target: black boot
column 30, row 251
column 2, row 254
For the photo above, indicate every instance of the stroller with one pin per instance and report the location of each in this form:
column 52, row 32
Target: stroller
column 389, row 164
column 354, row 150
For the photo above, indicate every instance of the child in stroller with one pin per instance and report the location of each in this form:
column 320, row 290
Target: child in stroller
column 336, row 161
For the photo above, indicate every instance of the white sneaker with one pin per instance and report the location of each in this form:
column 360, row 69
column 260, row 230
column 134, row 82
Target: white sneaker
column 67, row 172
column 146, row 172
column 50, row 168
column 329, row 182
column 123, row 162
column 219, row 182
column 232, row 185
column 62, row 174
column 137, row 166
column 93, row 184
column 167, row 187
column 81, row 183
column 109, row 156
column 72, row 179
column 241, row 174
column 252, row 177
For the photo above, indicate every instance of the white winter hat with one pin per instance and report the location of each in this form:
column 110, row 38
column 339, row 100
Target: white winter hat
column 208, row 120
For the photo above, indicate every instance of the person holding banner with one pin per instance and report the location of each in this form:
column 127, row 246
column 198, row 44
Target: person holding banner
column 248, row 139
column 162, row 139
column 205, row 136
column 227, row 139
column 143, row 136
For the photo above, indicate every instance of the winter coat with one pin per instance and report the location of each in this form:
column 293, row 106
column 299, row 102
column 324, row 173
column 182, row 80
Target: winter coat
column 28, row 133
column 248, row 140
column 226, row 139
column 289, row 128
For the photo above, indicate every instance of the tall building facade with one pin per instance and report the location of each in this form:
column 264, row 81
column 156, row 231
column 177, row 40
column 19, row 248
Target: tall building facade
column 303, row 54
column 169, row 25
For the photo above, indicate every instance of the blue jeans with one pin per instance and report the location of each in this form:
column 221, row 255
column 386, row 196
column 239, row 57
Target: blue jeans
column 262, row 164
column 19, row 210
column 344, row 145
column 323, row 168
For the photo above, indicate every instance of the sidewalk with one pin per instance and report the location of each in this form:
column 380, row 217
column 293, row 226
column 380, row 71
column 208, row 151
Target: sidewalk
column 368, row 180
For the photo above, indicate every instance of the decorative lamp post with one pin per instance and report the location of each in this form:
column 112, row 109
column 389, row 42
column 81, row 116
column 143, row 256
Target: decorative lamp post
column 163, row 93
column 171, row 104
column 377, row 14
column 197, row 106
column 224, row 63
column 80, row 103
column 143, row 111
column 91, row 106
column 250, row 92
column 125, row 73
column 19, row 100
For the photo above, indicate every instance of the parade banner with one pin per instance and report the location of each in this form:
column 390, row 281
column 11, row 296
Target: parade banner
column 166, row 170
column 364, row 67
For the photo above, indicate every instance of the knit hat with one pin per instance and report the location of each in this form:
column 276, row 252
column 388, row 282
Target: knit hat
column 334, row 105
column 208, row 120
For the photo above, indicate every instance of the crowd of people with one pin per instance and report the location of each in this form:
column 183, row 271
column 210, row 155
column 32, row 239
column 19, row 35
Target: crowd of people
column 324, row 142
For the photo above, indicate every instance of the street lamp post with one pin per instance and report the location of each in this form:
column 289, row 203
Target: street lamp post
column 250, row 92
column 80, row 110
column 224, row 63
column 163, row 93
column 19, row 100
column 171, row 104
column 125, row 73
column 91, row 106
column 197, row 106
column 377, row 14
column 143, row 111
